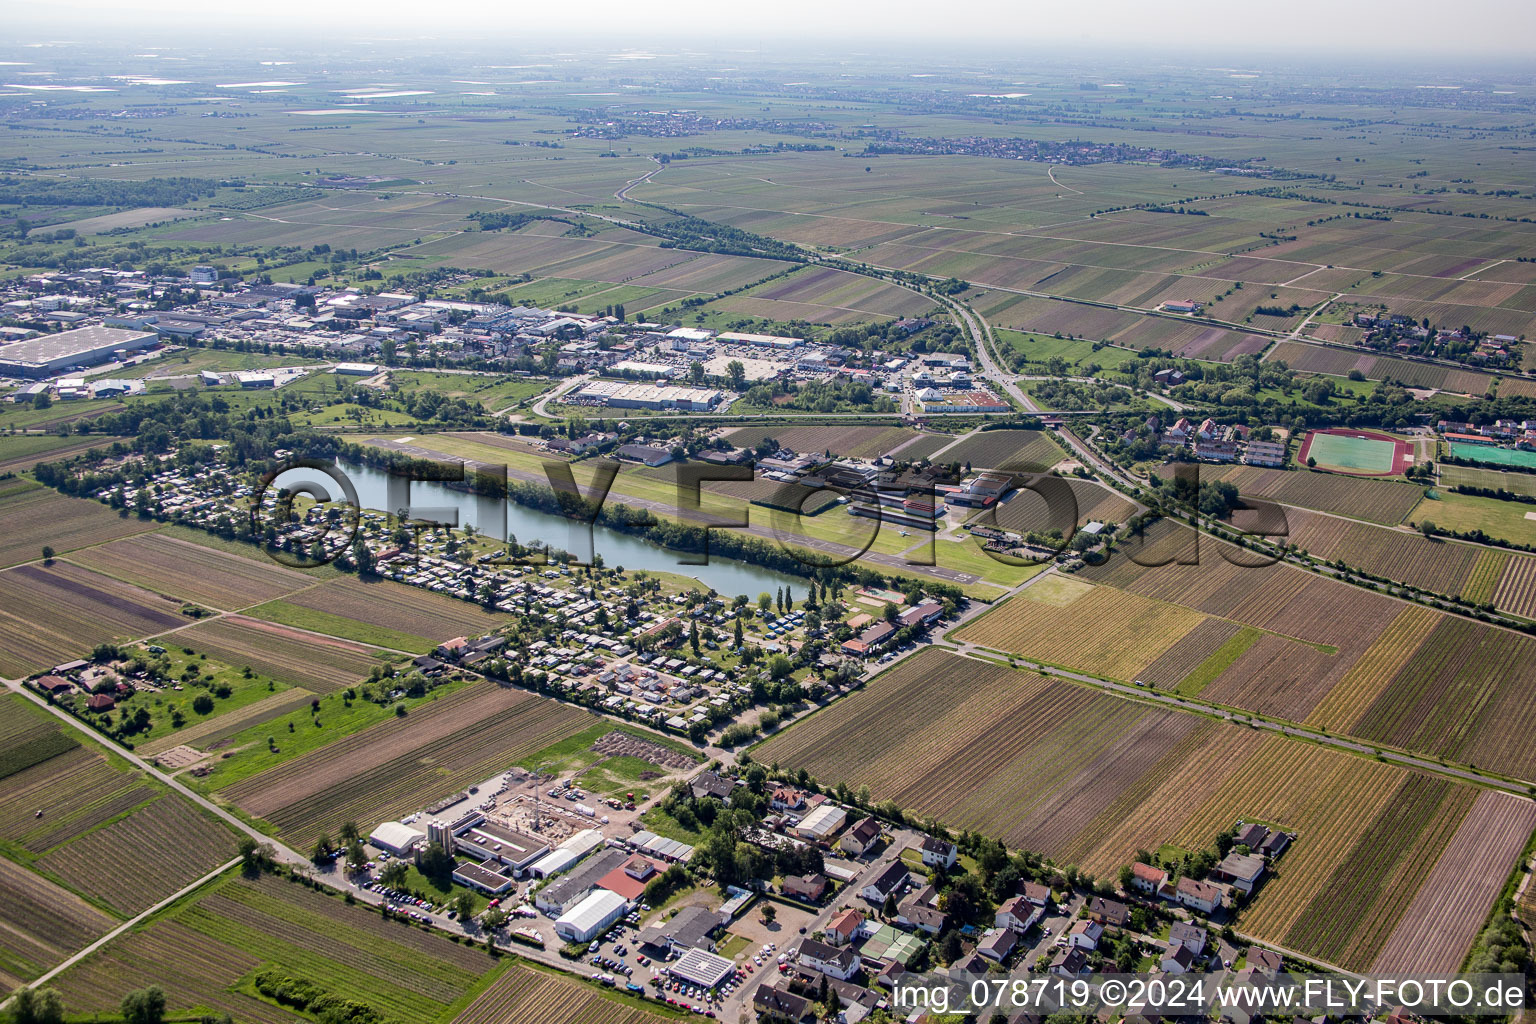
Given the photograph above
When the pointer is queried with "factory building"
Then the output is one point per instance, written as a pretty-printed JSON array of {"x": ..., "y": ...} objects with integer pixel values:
[
  {"x": 623, "y": 395},
  {"x": 85, "y": 346},
  {"x": 591, "y": 917}
]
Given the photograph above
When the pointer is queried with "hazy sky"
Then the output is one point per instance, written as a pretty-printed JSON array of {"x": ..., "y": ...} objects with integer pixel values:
[{"x": 1372, "y": 29}]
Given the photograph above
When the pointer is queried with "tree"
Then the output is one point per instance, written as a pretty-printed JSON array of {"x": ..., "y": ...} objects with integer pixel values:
[
  {"x": 350, "y": 831},
  {"x": 769, "y": 913},
  {"x": 202, "y": 704},
  {"x": 48, "y": 554},
  {"x": 888, "y": 908},
  {"x": 322, "y": 849},
  {"x": 464, "y": 905},
  {"x": 254, "y": 857},
  {"x": 357, "y": 857},
  {"x": 394, "y": 873},
  {"x": 736, "y": 373},
  {"x": 37, "y": 1006},
  {"x": 144, "y": 1006},
  {"x": 696, "y": 372}
]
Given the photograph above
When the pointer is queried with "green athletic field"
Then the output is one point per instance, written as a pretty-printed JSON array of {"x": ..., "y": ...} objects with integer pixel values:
[{"x": 1352, "y": 454}]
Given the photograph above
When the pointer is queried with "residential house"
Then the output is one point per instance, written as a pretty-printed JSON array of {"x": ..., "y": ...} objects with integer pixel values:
[
  {"x": 1147, "y": 878},
  {"x": 939, "y": 853},
  {"x": 1070, "y": 963},
  {"x": 997, "y": 944},
  {"x": 1191, "y": 936},
  {"x": 1110, "y": 913},
  {"x": 858, "y": 839},
  {"x": 785, "y": 798},
  {"x": 777, "y": 1004},
  {"x": 1036, "y": 893},
  {"x": 810, "y": 888},
  {"x": 1086, "y": 935},
  {"x": 1176, "y": 959},
  {"x": 1266, "y": 960},
  {"x": 888, "y": 883},
  {"x": 1251, "y": 835},
  {"x": 1275, "y": 845},
  {"x": 841, "y": 963},
  {"x": 844, "y": 927},
  {"x": 1196, "y": 895},
  {"x": 1017, "y": 913},
  {"x": 920, "y": 911},
  {"x": 712, "y": 785}
]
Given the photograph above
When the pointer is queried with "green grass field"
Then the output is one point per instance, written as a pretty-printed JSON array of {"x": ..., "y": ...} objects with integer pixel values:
[
  {"x": 1513, "y": 521},
  {"x": 1351, "y": 454}
]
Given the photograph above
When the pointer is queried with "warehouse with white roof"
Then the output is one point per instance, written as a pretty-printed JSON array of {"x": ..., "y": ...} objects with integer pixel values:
[
  {"x": 85, "y": 346},
  {"x": 591, "y": 916}
]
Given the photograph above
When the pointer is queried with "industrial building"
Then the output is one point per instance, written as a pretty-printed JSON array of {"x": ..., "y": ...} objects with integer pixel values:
[
  {"x": 478, "y": 876},
  {"x": 702, "y": 968},
  {"x": 395, "y": 838},
  {"x": 624, "y": 395},
  {"x": 85, "y": 346},
  {"x": 591, "y": 917},
  {"x": 474, "y": 836}
]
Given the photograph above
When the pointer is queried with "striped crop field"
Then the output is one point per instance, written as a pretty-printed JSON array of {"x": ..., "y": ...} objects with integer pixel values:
[
  {"x": 1516, "y": 591},
  {"x": 1189, "y": 653},
  {"x": 1444, "y": 567},
  {"x": 1381, "y": 501},
  {"x": 1486, "y": 573},
  {"x": 1106, "y": 632},
  {"x": 1087, "y": 778},
  {"x": 1374, "y": 670},
  {"x": 525, "y": 995},
  {"x": 203, "y": 952}
]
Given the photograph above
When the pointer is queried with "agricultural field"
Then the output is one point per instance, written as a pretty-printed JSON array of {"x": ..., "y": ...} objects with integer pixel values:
[
  {"x": 191, "y": 572},
  {"x": 202, "y": 952},
  {"x": 1024, "y": 510},
  {"x": 152, "y": 867},
  {"x": 1513, "y": 521},
  {"x": 822, "y": 295},
  {"x": 1393, "y": 674},
  {"x": 41, "y": 924},
  {"x": 20, "y": 452},
  {"x": 1379, "y": 501},
  {"x": 381, "y": 613},
  {"x": 283, "y": 653},
  {"x": 528, "y": 995},
  {"x": 493, "y": 392},
  {"x": 1492, "y": 479},
  {"x": 1099, "y": 630},
  {"x": 52, "y": 614},
  {"x": 1444, "y": 567},
  {"x": 845, "y": 441},
  {"x": 1087, "y": 779},
  {"x": 35, "y": 516},
  {"x": 1338, "y": 362},
  {"x": 403, "y": 763},
  {"x": 1018, "y": 450}
]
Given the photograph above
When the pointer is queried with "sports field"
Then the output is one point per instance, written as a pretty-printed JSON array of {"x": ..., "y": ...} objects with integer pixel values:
[
  {"x": 1488, "y": 453},
  {"x": 1354, "y": 451}
]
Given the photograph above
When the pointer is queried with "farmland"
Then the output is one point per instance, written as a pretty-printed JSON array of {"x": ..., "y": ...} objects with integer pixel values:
[
  {"x": 191, "y": 572},
  {"x": 202, "y": 951},
  {"x": 1466, "y": 513},
  {"x": 21, "y": 452},
  {"x": 1095, "y": 629},
  {"x": 404, "y": 762},
  {"x": 28, "y": 902},
  {"x": 825, "y": 296},
  {"x": 283, "y": 653},
  {"x": 853, "y": 442},
  {"x": 1018, "y": 450},
  {"x": 1338, "y": 362},
  {"x": 1087, "y": 779},
  {"x": 1376, "y": 500},
  {"x": 1427, "y": 682},
  {"x": 381, "y": 613},
  {"x": 56, "y": 613},
  {"x": 152, "y": 868},
  {"x": 526, "y": 995},
  {"x": 35, "y": 515},
  {"x": 1440, "y": 566}
]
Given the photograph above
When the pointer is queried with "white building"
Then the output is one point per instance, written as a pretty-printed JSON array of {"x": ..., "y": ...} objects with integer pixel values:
[
  {"x": 591, "y": 916},
  {"x": 395, "y": 838}
]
